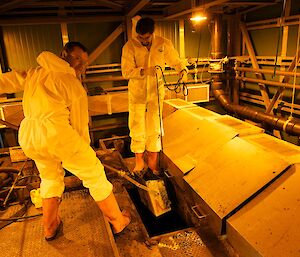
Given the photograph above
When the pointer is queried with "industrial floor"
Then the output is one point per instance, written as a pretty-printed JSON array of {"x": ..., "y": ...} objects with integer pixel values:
[{"x": 86, "y": 233}]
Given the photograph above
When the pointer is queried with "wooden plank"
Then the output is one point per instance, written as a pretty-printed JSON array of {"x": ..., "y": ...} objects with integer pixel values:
[
  {"x": 239, "y": 4},
  {"x": 128, "y": 27},
  {"x": 12, "y": 4},
  {"x": 54, "y": 11},
  {"x": 255, "y": 8},
  {"x": 272, "y": 23},
  {"x": 110, "y": 4},
  {"x": 255, "y": 65},
  {"x": 64, "y": 33},
  {"x": 278, "y": 95},
  {"x": 57, "y": 20},
  {"x": 99, "y": 50},
  {"x": 137, "y": 7},
  {"x": 181, "y": 39},
  {"x": 198, "y": 8},
  {"x": 285, "y": 80},
  {"x": 268, "y": 82},
  {"x": 285, "y": 34}
]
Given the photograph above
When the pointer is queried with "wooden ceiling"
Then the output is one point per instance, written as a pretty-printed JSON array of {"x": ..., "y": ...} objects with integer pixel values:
[{"x": 48, "y": 11}]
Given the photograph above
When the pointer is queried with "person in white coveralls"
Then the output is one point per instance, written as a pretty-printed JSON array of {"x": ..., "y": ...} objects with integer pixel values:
[
  {"x": 144, "y": 58},
  {"x": 54, "y": 133}
]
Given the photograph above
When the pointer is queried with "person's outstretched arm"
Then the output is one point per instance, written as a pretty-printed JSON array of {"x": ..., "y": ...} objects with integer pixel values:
[{"x": 12, "y": 82}]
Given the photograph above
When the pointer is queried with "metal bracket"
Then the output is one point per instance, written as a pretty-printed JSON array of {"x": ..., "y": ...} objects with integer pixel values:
[
  {"x": 167, "y": 174},
  {"x": 196, "y": 212}
]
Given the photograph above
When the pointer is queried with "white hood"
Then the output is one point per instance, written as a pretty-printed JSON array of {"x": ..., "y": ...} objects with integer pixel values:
[
  {"x": 134, "y": 21},
  {"x": 52, "y": 62}
]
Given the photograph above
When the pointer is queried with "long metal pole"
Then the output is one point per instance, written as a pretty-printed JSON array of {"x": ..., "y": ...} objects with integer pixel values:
[
  {"x": 123, "y": 174},
  {"x": 267, "y": 71},
  {"x": 268, "y": 82}
]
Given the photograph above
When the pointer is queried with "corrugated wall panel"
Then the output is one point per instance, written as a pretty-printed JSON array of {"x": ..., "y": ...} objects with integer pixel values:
[
  {"x": 91, "y": 35},
  {"x": 194, "y": 48},
  {"x": 24, "y": 43},
  {"x": 169, "y": 30}
]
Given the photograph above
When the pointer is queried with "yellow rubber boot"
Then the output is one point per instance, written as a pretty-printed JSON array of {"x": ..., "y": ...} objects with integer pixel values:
[
  {"x": 110, "y": 209},
  {"x": 51, "y": 220}
]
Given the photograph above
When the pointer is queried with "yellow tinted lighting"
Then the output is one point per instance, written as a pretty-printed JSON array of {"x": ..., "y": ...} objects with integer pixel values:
[{"x": 198, "y": 18}]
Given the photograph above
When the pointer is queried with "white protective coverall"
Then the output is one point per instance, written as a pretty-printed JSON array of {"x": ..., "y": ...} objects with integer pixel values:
[
  {"x": 144, "y": 118},
  {"x": 55, "y": 132}
]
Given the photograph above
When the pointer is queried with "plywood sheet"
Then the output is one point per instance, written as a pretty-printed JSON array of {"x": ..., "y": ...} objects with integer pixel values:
[
  {"x": 187, "y": 136},
  {"x": 241, "y": 127},
  {"x": 232, "y": 173},
  {"x": 109, "y": 103},
  {"x": 173, "y": 105},
  {"x": 269, "y": 225},
  {"x": 280, "y": 148},
  {"x": 12, "y": 113},
  {"x": 202, "y": 113}
]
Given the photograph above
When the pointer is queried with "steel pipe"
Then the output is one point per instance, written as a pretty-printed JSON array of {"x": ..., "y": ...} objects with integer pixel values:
[
  {"x": 268, "y": 82},
  {"x": 276, "y": 122},
  {"x": 267, "y": 71}
]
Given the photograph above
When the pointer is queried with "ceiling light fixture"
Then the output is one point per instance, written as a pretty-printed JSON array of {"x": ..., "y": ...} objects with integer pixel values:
[{"x": 198, "y": 18}]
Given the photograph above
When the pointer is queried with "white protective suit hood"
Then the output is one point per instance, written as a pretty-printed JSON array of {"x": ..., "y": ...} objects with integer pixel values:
[
  {"x": 52, "y": 62},
  {"x": 134, "y": 21}
]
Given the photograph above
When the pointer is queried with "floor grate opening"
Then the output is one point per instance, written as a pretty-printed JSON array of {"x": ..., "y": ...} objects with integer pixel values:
[{"x": 166, "y": 223}]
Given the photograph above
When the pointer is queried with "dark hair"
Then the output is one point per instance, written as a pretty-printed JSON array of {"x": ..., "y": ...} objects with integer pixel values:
[
  {"x": 145, "y": 25},
  {"x": 70, "y": 46}
]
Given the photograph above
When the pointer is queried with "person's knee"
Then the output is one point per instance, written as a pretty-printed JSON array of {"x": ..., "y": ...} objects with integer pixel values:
[
  {"x": 101, "y": 191},
  {"x": 52, "y": 188}
]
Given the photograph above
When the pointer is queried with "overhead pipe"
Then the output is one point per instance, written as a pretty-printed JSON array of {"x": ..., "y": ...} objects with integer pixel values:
[
  {"x": 267, "y": 71},
  {"x": 278, "y": 123},
  {"x": 267, "y": 82}
]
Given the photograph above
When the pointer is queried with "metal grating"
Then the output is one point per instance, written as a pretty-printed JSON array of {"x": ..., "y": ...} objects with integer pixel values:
[
  {"x": 184, "y": 243},
  {"x": 84, "y": 232}
]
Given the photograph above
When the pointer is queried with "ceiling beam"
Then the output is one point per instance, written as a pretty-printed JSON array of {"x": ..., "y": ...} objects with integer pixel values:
[
  {"x": 99, "y": 50},
  {"x": 251, "y": 51},
  {"x": 250, "y": 3},
  {"x": 12, "y": 4},
  {"x": 58, "y": 20},
  {"x": 38, "y": 13},
  {"x": 50, "y": 3},
  {"x": 110, "y": 4},
  {"x": 255, "y": 8},
  {"x": 140, "y": 5},
  {"x": 195, "y": 9}
]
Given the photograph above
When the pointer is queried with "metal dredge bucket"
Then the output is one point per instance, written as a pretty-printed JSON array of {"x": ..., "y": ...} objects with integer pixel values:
[{"x": 158, "y": 203}]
